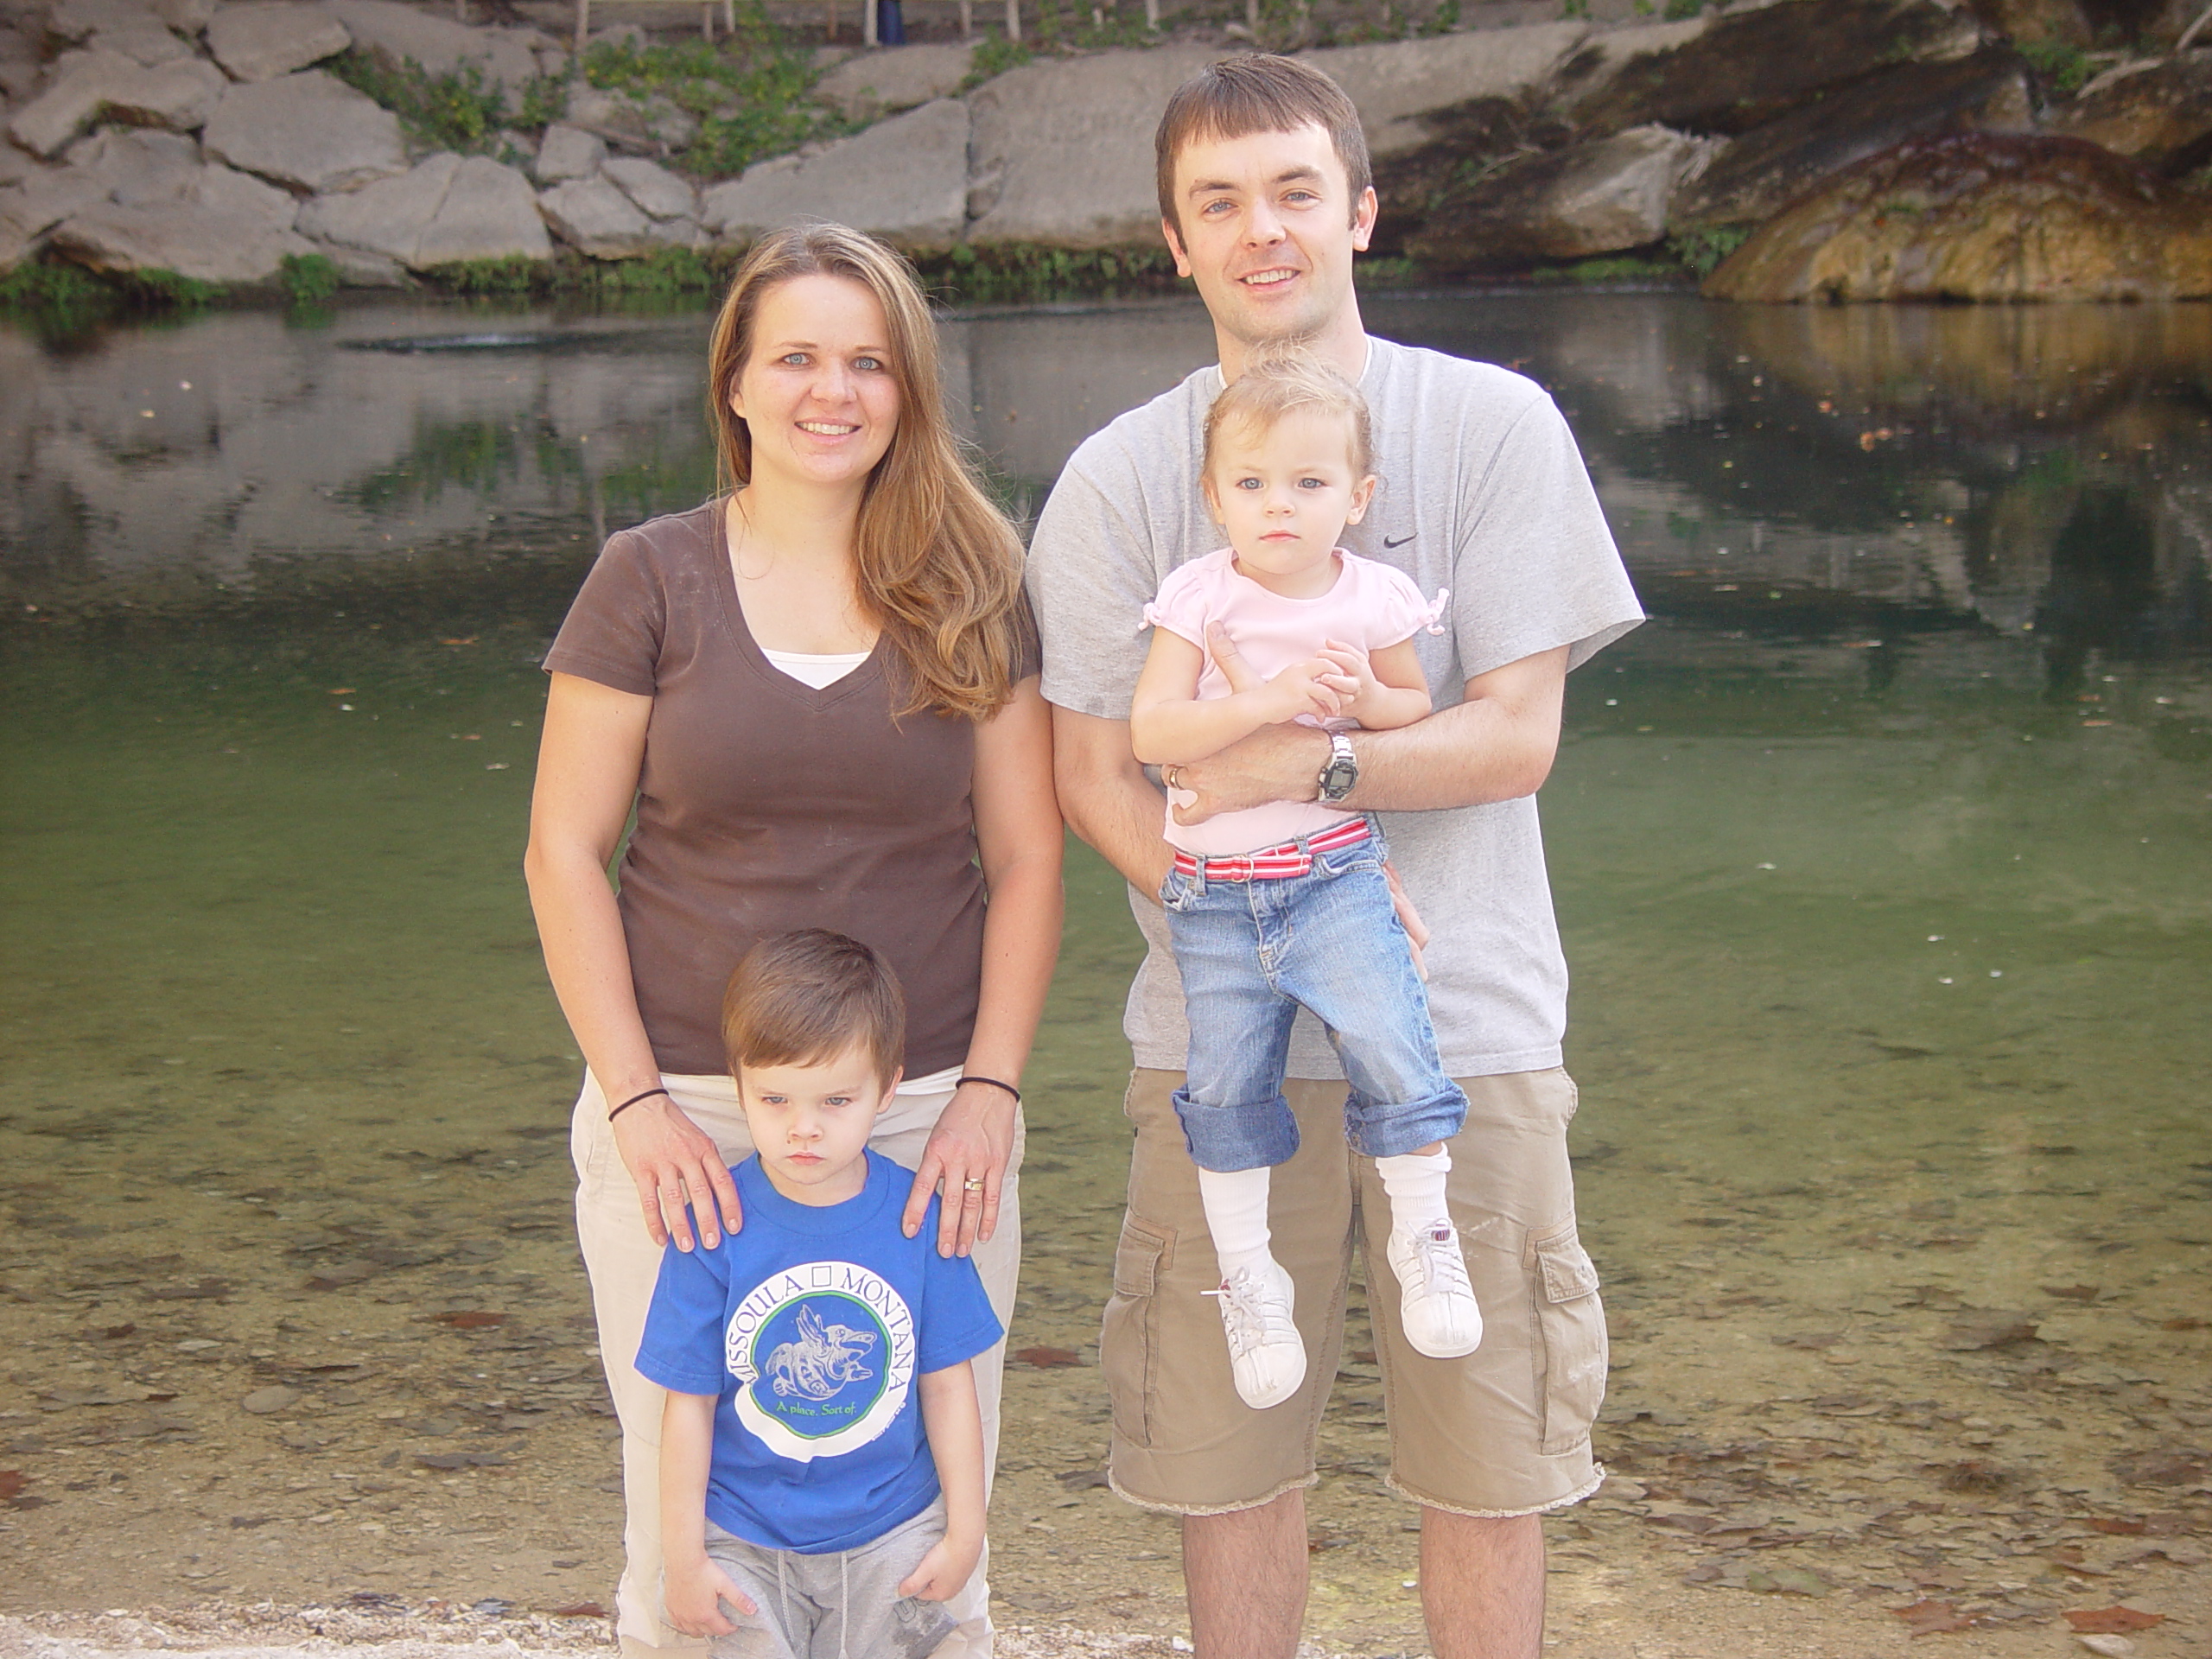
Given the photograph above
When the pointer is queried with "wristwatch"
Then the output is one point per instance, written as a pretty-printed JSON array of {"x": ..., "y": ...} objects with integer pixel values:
[{"x": 1341, "y": 775}]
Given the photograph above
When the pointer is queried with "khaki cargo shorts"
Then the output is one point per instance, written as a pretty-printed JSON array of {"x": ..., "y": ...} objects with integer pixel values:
[{"x": 1504, "y": 1431}]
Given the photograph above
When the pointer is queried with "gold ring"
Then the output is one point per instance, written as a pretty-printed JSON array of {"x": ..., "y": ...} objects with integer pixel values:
[
  {"x": 1172, "y": 776},
  {"x": 971, "y": 1185}
]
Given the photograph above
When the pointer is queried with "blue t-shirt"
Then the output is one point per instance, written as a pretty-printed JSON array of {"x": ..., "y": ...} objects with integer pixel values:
[{"x": 810, "y": 1323}]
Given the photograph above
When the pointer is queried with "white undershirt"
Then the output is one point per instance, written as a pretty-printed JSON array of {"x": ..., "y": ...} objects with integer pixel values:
[{"x": 816, "y": 668}]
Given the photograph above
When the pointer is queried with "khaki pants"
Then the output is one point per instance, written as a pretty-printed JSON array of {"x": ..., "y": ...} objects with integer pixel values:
[
  {"x": 623, "y": 1263},
  {"x": 1504, "y": 1431}
]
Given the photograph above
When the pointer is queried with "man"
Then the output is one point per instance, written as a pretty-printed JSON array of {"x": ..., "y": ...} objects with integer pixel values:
[{"x": 1265, "y": 196}]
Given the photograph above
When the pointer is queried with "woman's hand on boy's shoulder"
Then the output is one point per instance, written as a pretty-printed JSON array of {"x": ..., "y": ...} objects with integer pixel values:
[
  {"x": 945, "y": 1570},
  {"x": 695, "y": 1591}
]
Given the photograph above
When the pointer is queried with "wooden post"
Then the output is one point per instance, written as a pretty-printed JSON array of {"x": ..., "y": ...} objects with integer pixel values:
[
  {"x": 1013, "y": 20},
  {"x": 1252, "y": 18},
  {"x": 868, "y": 24},
  {"x": 1152, "y": 14},
  {"x": 967, "y": 20},
  {"x": 583, "y": 24},
  {"x": 833, "y": 22}
]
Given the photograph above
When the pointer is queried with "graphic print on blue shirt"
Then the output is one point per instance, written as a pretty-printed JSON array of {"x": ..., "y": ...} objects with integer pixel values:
[
  {"x": 823, "y": 1356},
  {"x": 812, "y": 1325}
]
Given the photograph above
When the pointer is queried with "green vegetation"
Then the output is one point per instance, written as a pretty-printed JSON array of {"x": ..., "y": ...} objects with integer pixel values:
[
  {"x": 749, "y": 95},
  {"x": 461, "y": 110},
  {"x": 1005, "y": 275},
  {"x": 1699, "y": 251},
  {"x": 1573, "y": 10},
  {"x": 308, "y": 278},
  {"x": 1677, "y": 10},
  {"x": 2065, "y": 68},
  {"x": 666, "y": 273},
  {"x": 993, "y": 55}
]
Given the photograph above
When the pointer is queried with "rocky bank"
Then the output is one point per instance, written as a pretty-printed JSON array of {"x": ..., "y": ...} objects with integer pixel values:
[{"x": 212, "y": 142}]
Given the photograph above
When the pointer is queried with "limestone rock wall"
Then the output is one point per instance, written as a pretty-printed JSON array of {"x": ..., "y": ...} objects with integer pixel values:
[{"x": 1495, "y": 150}]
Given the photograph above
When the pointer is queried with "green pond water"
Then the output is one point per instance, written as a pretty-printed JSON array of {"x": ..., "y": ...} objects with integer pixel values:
[{"x": 1882, "y": 855}]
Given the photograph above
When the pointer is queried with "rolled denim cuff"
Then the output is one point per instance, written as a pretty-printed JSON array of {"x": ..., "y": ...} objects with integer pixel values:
[
  {"x": 1225, "y": 1138},
  {"x": 1393, "y": 1131}
]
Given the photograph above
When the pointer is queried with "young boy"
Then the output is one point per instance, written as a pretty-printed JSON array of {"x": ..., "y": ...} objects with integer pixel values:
[{"x": 822, "y": 1454}]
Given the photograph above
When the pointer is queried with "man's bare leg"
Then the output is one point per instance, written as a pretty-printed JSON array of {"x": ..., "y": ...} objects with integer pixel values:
[
  {"x": 1481, "y": 1585},
  {"x": 1244, "y": 1574}
]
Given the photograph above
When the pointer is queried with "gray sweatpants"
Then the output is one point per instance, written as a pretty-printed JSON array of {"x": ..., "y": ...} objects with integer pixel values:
[{"x": 845, "y": 1606}]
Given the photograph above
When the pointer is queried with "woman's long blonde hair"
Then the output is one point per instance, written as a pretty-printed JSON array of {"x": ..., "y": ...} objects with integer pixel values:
[{"x": 938, "y": 566}]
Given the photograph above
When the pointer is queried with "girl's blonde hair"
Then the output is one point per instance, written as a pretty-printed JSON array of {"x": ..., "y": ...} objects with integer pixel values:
[
  {"x": 938, "y": 566},
  {"x": 1284, "y": 380}
]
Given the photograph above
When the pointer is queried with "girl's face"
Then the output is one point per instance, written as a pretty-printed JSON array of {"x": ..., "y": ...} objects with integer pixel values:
[
  {"x": 817, "y": 392},
  {"x": 1285, "y": 494}
]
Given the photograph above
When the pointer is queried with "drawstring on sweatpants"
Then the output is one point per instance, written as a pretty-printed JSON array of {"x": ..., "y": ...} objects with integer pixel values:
[{"x": 844, "y": 1599}]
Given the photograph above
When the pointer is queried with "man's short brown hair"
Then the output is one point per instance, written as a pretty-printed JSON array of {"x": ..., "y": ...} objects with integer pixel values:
[
  {"x": 800, "y": 999},
  {"x": 1258, "y": 92}
]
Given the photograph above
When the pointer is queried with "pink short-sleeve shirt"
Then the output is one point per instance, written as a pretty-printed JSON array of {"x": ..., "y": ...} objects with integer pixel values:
[{"x": 1371, "y": 606}]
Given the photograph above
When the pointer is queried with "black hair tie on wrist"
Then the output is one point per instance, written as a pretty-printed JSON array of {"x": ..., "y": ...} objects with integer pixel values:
[
  {"x": 994, "y": 1083},
  {"x": 615, "y": 1112}
]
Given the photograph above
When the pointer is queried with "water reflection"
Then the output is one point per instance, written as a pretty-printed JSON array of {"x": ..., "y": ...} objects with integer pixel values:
[{"x": 1882, "y": 856}]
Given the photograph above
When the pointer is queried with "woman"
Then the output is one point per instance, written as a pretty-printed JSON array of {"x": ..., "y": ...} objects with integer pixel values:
[{"x": 819, "y": 692}]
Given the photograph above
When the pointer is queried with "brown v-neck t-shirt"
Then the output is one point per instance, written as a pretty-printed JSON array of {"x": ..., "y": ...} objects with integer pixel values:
[{"x": 765, "y": 804}]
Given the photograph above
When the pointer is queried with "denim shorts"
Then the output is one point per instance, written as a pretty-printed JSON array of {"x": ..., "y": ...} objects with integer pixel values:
[{"x": 1250, "y": 953}]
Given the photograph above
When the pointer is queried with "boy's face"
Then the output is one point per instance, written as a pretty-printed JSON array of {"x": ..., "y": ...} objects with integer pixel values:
[
  {"x": 810, "y": 1123},
  {"x": 1284, "y": 493},
  {"x": 1268, "y": 232}
]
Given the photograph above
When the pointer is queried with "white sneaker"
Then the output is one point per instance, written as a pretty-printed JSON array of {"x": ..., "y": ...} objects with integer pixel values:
[
  {"x": 1439, "y": 1314},
  {"x": 1266, "y": 1355}
]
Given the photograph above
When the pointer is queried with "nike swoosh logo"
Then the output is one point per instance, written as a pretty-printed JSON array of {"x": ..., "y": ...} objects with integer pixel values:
[{"x": 1400, "y": 542}]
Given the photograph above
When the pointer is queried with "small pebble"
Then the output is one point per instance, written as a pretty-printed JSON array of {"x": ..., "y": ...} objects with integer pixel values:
[
  {"x": 2112, "y": 1647},
  {"x": 261, "y": 1401}
]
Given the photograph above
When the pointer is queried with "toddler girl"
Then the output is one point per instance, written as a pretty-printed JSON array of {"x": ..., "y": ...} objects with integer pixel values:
[{"x": 1288, "y": 903}]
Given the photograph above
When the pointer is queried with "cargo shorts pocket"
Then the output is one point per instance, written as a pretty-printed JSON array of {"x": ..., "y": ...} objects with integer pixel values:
[
  {"x": 1128, "y": 1342},
  {"x": 1570, "y": 1326}
]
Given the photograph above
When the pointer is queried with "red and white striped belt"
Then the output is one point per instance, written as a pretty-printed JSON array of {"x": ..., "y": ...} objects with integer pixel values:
[{"x": 1275, "y": 863}]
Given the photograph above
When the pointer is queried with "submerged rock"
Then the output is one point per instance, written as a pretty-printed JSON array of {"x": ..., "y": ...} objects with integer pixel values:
[
  {"x": 1764, "y": 170},
  {"x": 1979, "y": 216},
  {"x": 1596, "y": 198}
]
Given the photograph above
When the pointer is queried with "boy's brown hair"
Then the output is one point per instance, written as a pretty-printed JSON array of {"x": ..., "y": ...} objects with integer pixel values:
[
  {"x": 1281, "y": 380},
  {"x": 1258, "y": 92},
  {"x": 798, "y": 999}
]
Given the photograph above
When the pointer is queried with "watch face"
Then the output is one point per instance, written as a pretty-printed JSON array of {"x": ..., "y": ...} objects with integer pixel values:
[{"x": 1338, "y": 778}]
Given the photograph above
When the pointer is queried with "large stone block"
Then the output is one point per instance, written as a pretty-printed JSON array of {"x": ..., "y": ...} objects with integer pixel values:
[
  {"x": 445, "y": 210},
  {"x": 567, "y": 153},
  {"x": 185, "y": 16},
  {"x": 181, "y": 95},
  {"x": 400, "y": 34},
  {"x": 269, "y": 38},
  {"x": 48, "y": 197},
  {"x": 1746, "y": 68},
  {"x": 1409, "y": 91},
  {"x": 870, "y": 84},
  {"x": 658, "y": 193},
  {"x": 77, "y": 20},
  {"x": 1062, "y": 151},
  {"x": 309, "y": 131},
  {"x": 905, "y": 180},
  {"x": 593, "y": 217},
  {"x": 206, "y": 244},
  {"x": 1601, "y": 197},
  {"x": 1981, "y": 216},
  {"x": 1764, "y": 170},
  {"x": 145, "y": 40},
  {"x": 137, "y": 168},
  {"x": 2160, "y": 113}
]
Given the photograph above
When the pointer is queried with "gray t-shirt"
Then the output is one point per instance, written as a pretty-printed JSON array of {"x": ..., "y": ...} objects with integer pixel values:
[{"x": 1483, "y": 491}]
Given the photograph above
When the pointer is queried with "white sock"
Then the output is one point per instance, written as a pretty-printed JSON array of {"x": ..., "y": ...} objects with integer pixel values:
[
  {"x": 1415, "y": 1183},
  {"x": 1236, "y": 1215}
]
